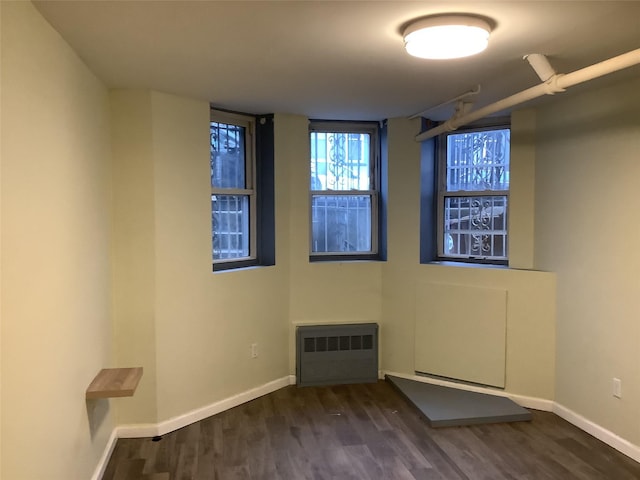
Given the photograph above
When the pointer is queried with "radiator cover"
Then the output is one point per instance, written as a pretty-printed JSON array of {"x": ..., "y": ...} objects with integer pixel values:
[{"x": 337, "y": 354}]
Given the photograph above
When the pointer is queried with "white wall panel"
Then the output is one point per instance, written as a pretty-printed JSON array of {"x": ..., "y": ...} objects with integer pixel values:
[{"x": 461, "y": 332}]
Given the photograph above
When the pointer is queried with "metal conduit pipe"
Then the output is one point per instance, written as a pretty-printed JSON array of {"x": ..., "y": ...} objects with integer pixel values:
[{"x": 557, "y": 83}]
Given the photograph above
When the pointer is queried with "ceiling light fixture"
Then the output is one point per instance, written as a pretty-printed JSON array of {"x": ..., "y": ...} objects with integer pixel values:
[{"x": 446, "y": 36}]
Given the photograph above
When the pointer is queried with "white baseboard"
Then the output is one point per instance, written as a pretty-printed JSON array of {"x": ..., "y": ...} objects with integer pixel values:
[
  {"x": 607, "y": 436},
  {"x": 522, "y": 400},
  {"x": 138, "y": 430},
  {"x": 162, "y": 428},
  {"x": 106, "y": 455}
]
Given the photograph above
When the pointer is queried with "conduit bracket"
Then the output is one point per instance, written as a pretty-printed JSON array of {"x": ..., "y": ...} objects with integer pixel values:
[
  {"x": 450, "y": 125},
  {"x": 546, "y": 73},
  {"x": 462, "y": 109},
  {"x": 551, "y": 85},
  {"x": 540, "y": 64}
]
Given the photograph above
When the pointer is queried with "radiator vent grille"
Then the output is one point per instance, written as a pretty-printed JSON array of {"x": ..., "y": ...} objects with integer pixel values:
[
  {"x": 334, "y": 354},
  {"x": 341, "y": 343}
]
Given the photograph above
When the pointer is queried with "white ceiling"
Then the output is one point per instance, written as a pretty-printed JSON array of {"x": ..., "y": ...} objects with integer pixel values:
[{"x": 331, "y": 59}]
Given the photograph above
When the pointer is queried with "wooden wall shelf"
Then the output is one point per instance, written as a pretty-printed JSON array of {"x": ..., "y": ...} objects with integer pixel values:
[{"x": 114, "y": 382}]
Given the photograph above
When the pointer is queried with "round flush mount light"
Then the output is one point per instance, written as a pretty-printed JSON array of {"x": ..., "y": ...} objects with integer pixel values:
[{"x": 446, "y": 36}]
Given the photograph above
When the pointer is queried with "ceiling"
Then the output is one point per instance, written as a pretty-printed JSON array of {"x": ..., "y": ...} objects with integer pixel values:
[{"x": 332, "y": 59}]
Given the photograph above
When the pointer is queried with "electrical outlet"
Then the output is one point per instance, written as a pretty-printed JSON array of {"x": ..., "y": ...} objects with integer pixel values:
[
  {"x": 254, "y": 350},
  {"x": 617, "y": 388}
]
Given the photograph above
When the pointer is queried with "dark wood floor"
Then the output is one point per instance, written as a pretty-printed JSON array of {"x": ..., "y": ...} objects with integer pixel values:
[{"x": 363, "y": 432}]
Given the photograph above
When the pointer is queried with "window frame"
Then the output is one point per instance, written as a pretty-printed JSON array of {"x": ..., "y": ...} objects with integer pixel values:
[
  {"x": 373, "y": 129},
  {"x": 501, "y": 123},
  {"x": 249, "y": 124}
]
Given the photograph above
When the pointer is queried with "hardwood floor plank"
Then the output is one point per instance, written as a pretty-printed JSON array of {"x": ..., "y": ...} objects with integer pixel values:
[
  {"x": 413, "y": 439},
  {"x": 156, "y": 476},
  {"x": 363, "y": 462},
  {"x": 129, "y": 469},
  {"x": 363, "y": 432},
  {"x": 470, "y": 456}
]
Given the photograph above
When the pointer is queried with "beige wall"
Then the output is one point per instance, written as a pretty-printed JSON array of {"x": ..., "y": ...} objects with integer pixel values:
[
  {"x": 206, "y": 322},
  {"x": 56, "y": 326},
  {"x": 403, "y": 236},
  {"x": 587, "y": 230},
  {"x": 134, "y": 249},
  {"x": 522, "y": 189},
  {"x": 530, "y": 330},
  {"x": 321, "y": 292},
  {"x": 0, "y": 248},
  {"x": 191, "y": 329}
]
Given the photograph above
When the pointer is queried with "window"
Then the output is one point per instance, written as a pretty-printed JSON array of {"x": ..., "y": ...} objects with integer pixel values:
[
  {"x": 473, "y": 195},
  {"x": 235, "y": 194},
  {"x": 344, "y": 190}
]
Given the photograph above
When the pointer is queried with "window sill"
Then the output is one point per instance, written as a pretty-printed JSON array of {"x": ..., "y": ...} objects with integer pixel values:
[
  {"x": 482, "y": 266},
  {"x": 446, "y": 263},
  {"x": 240, "y": 268},
  {"x": 344, "y": 259}
]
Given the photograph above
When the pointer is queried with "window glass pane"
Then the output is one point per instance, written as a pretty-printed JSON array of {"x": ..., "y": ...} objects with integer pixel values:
[
  {"x": 341, "y": 223},
  {"x": 340, "y": 161},
  {"x": 475, "y": 227},
  {"x": 478, "y": 160},
  {"x": 230, "y": 226},
  {"x": 227, "y": 155}
]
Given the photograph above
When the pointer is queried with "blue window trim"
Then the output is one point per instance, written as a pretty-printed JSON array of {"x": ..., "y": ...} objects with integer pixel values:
[
  {"x": 265, "y": 184},
  {"x": 382, "y": 185},
  {"x": 384, "y": 192},
  {"x": 429, "y": 175},
  {"x": 428, "y": 196},
  {"x": 265, "y": 196}
]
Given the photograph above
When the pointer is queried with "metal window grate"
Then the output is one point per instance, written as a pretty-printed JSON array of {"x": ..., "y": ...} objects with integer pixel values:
[
  {"x": 233, "y": 195},
  {"x": 478, "y": 161},
  {"x": 476, "y": 227},
  {"x": 474, "y": 194},
  {"x": 343, "y": 189},
  {"x": 341, "y": 223}
]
